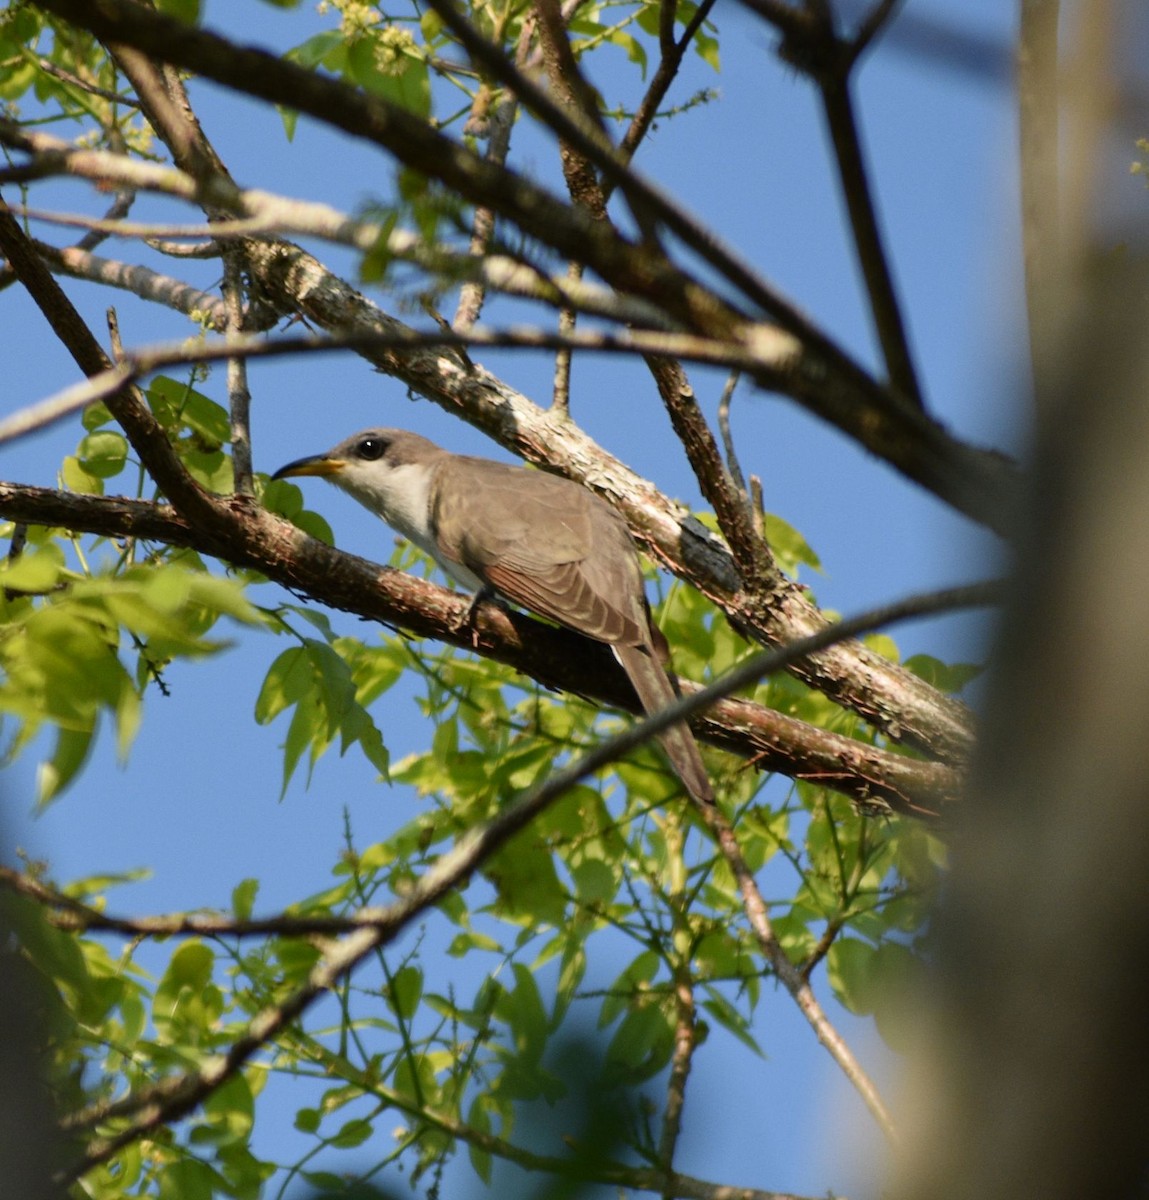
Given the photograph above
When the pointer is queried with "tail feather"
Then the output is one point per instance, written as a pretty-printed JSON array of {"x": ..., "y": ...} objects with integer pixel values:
[{"x": 655, "y": 692}]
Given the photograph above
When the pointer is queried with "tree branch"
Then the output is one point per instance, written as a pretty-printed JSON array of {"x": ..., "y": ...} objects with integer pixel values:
[
  {"x": 852, "y": 675},
  {"x": 890, "y": 426},
  {"x": 869, "y": 244},
  {"x": 554, "y": 657}
]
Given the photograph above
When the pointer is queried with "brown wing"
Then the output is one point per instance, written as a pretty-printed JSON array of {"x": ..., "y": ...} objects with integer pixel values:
[{"x": 545, "y": 543}]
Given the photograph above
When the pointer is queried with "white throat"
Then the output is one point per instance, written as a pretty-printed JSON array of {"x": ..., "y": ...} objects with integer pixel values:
[{"x": 401, "y": 495}]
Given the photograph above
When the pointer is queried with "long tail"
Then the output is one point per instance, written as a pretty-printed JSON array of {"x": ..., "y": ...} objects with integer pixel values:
[{"x": 655, "y": 691}]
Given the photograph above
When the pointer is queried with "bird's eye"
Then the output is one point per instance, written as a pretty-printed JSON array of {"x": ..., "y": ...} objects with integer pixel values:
[{"x": 371, "y": 448}]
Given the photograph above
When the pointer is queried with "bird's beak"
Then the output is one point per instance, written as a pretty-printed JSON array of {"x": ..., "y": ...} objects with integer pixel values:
[{"x": 315, "y": 464}]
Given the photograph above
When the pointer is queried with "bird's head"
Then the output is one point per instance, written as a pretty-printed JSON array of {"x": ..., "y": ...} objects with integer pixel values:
[{"x": 386, "y": 470}]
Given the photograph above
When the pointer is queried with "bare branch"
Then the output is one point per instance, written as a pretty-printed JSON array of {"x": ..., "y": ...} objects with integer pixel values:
[
  {"x": 873, "y": 24},
  {"x": 144, "y": 361},
  {"x": 145, "y": 434},
  {"x": 239, "y": 397},
  {"x": 68, "y": 77},
  {"x": 141, "y": 281},
  {"x": 868, "y": 241},
  {"x": 976, "y": 482}
]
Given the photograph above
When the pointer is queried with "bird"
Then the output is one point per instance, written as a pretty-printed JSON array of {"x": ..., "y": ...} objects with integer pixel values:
[{"x": 538, "y": 540}]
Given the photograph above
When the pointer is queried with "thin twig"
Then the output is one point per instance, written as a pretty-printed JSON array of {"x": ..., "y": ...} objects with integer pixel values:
[
  {"x": 144, "y": 361},
  {"x": 668, "y": 65},
  {"x": 50, "y": 68},
  {"x": 140, "y": 281},
  {"x": 732, "y": 464},
  {"x": 791, "y": 976},
  {"x": 873, "y": 24},
  {"x": 501, "y": 124},
  {"x": 238, "y": 393},
  {"x": 119, "y": 208},
  {"x": 869, "y": 243},
  {"x": 685, "y": 1012}
]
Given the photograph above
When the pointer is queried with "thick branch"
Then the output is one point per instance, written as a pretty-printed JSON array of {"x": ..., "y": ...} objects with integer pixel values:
[
  {"x": 851, "y": 674},
  {"x": 554, "y": 657}
]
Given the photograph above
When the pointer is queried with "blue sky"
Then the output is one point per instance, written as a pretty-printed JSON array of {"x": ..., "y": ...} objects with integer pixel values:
[{"x": 199, "y": 799}]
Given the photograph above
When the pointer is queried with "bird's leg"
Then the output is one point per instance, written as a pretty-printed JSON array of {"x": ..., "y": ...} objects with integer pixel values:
[{"x": 470, "y": 618}]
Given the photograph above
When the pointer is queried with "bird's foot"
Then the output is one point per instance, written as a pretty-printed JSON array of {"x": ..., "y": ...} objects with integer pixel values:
[{"x": 469, "y": 619}]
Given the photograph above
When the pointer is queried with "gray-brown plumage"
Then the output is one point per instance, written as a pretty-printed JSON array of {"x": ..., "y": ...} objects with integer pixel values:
[{"x": 544, "y": 542}]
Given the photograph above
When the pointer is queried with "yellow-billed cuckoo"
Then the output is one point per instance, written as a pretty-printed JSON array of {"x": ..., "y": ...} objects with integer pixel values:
[{"x": 541, "y": 541}]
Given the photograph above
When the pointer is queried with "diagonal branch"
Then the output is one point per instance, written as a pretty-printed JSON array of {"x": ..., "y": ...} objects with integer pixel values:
[
  {"x": 869, "y": 244},
  {"x": 554, "y": 657},
  {"x": 851, "y": 674},
  {"x": 291, "y": 281},
  {"x": 126, "y": 404}
]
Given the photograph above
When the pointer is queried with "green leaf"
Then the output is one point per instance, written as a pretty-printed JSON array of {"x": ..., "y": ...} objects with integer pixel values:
[
  {"x": 326, "y": 1181},
  {"x": 16, "y": 80},
  {"x": 230, "y": 1112},
  {"x": 526, "y": 881},
  {"x": 641, "y": 1045},
  {"x": 307, "y": 1120},
  {"x": 354, "y": 1133},
  {"x": 385, "y": 63},
  {"x": 178, "y": 406},
  {"x": 243, "y": 898},
  {"x": 946, "y": 676},
  {"x": 287, "y": 681},
  {"x": 478, "y": 1117},
  {"x": 406, "y": 989},
  {"x": 290, "y": 119},
  {"x": 883, "y": 644},
  {"x": 185, "y": 10},
  {"x": 706, "y": 48},
  {"x": 732, "y": 1020},
  {"x": 103, "y": 453},
  {"x": 72, "y": 749},
  {"x": 620, "y": 994},
  {"x": 37, "y": 570},
  {"x": 187, "y": 1003},
  {"x": 324, "y": 48},
  {"x": 187, "y": 1179},
  {"x": 95, "y": 416},
  {"x": 850, "y": 970},
  {"x": 522, "y": 1009},
  {"x": 790, "y": 548},
  {"x": 76, "y": 479}
]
